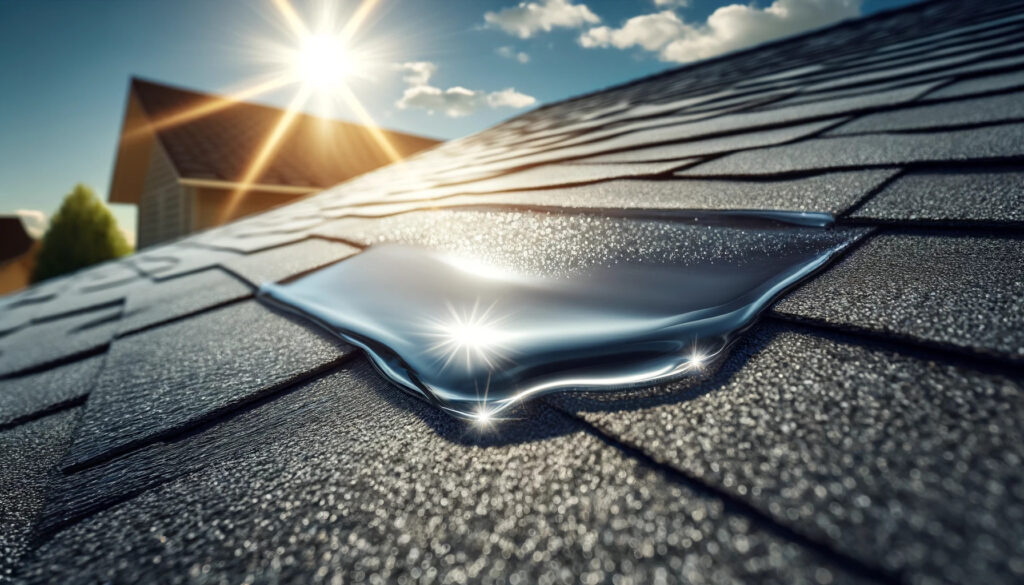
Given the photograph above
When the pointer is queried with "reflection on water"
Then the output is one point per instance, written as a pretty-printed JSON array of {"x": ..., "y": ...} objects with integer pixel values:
[{"x": 475, "y": 339}]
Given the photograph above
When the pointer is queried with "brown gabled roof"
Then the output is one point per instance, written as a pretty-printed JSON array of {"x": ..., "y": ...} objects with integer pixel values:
[{"x": 315, "y": 152}]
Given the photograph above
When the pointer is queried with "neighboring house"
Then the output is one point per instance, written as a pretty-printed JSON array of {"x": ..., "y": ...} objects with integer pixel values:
[
  {"x": 182, "y": 176},
  {"x": 18, "y": 249},
  {"x": 160, "y": 423}
]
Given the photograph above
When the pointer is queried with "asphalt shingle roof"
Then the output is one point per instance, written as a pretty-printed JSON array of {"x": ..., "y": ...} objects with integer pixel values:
[{"x": 158, "y": 424}]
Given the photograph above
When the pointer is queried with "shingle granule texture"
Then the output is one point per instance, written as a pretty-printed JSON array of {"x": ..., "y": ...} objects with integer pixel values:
[{"x": 949, "y": 290}]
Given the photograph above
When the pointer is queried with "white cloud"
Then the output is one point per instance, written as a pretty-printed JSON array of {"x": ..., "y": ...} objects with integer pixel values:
[
  {"x": 649, "y": 31},
  {"x": 458, "y": 101},
  {"x": 35, "y": 222},
  {"x": 417, "y": 72},
  {"x": 509, "y": 98},
  {"x": 663, "y": 3},
  {"x": 727, "y": 29},
  {"x": 510, "y": 53},
  {"x": 455, "y": 101},
  {"x": 528, "y": 18}
]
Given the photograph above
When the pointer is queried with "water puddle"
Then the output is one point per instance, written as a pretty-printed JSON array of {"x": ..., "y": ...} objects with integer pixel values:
[{"x": 476, "y": 338}]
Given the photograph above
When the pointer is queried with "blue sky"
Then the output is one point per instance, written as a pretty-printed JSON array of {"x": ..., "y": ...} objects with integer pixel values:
[{"x": 66, "y": 64}]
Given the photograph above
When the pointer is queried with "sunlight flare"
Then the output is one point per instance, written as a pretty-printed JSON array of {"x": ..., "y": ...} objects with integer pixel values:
[
  {"x": 292, "y": 18},
  {"x": 368, "y": 122},
  {"x": 320, "y": 60},
  {"x": 358, "y": 17},
  {"x": 474, "y": 334},
  {"x": 209, "y": 107},
  {"x": 266, "y": 151}
]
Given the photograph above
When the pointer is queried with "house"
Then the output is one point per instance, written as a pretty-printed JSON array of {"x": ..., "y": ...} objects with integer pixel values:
[
  {"x": 182, "y": 170},
  {"x": 18, "y": 249},
  {"x": 161, "y": 423}
]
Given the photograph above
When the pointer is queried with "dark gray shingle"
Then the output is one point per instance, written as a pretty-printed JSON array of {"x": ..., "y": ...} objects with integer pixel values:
[
  {"x": 978, "y": 194},
  {"x": 556, "y": 244},
  {"x": 287, "y": 261},
  {"x": 162, "y": 302},
  {"x": 49, "y": 342},
  {"x": 949, "y": 290},
  {"x": 829, "y": 192},
  {"x": 708, "y": 146},
  {"x": 975, "y": 85},
  {"x": 981, "y": 110},
  {"x": 989, "y": 142},
  {"x": 22, "y": 397},
  {"x": 166, "y": 378},
  {"x": 30, "y": 454}
]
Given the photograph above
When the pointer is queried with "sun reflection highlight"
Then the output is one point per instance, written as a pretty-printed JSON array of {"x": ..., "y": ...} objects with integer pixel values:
[
  {"x": 482, "y": 417},
  {"x": 696, "y": 360},
  {"x": 486, "y": 416},
  {"x": 479, "y": 269},
  {"x": 475, "y": 335}
]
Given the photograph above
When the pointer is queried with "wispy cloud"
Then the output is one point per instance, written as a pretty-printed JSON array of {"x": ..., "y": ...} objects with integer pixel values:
[
  {"x": 729, "y": 28},
  {"x": 509, "y": 98},
  {"x": 528, "y": 18},
  {"x": 510, "y": 53},
  {"x": 416, "y": 72},
  {"x": 454, "y": 101}
]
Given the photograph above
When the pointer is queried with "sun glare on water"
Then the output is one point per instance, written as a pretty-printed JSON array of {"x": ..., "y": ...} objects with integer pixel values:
[{"x": 474, "y": 334}]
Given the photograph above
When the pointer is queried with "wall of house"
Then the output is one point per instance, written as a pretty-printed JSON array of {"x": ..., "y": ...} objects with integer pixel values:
[
  {"x": 170, "y": 210},
  {"x": 16, "y": 273},
  {"x": 164, "y": 205},
  {"x": 209, "y": 205}
]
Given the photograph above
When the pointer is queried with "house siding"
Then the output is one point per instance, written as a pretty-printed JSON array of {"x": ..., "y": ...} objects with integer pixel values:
[{"x": 164, "y": 209}]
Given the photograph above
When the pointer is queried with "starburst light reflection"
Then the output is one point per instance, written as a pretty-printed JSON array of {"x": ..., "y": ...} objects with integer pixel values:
[{"x": 475, "y": 336}]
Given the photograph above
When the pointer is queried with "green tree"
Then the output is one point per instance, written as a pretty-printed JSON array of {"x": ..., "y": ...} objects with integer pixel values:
[{"x": 82, "y": 233}]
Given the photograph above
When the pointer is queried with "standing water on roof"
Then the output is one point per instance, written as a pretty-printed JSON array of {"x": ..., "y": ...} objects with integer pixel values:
[{"x": 476, "y": 338}]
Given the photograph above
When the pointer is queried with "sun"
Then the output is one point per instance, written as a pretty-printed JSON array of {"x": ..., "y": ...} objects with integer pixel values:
[{"x": 323, "y": 62}]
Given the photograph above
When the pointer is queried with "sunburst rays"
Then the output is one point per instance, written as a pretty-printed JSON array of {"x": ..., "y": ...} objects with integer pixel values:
[
  {"x": 303, "y": 70},
  {"x": 473, "y": 335},
  {"x": 267, "y": 150}
]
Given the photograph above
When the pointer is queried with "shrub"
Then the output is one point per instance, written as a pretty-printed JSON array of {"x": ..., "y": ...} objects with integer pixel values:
[{"x": 82, "y": 233}]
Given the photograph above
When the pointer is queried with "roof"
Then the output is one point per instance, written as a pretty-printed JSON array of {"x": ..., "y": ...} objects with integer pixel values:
[
  {"x": 14, "y": 238},
  {"x": 218, "y": 146},
  {"x": 159, "y": 424}
]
